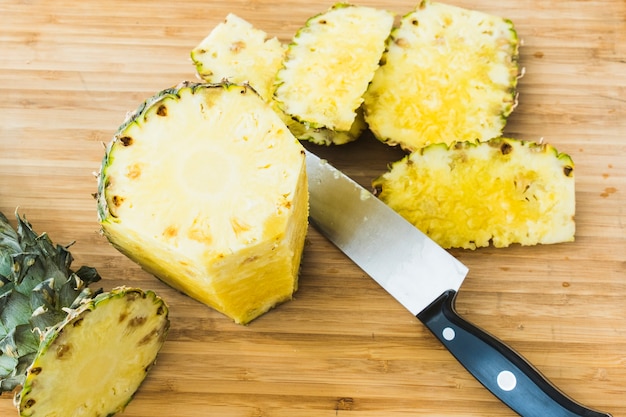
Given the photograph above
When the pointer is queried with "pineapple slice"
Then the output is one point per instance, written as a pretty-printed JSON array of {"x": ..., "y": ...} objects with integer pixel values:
[
  {"x": 330, "y": 63},
  {"x": 471, "y": 194},
  {"x": 205, "y": 187},
  {"x": 448, "y": 74},
  {"x": 238, "y": 52},
  {"x": 92, "y": 362},
  {"x": 60, "y": 342},
  {"x": 37, "y": 285}
]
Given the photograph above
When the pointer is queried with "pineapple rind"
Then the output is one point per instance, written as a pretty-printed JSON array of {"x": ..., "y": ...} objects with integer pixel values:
[
  {"x": 448, "y": 74},
  {"x": 212, "y": 199},
  {"x": 473, "y": 194},
  {"x": 238, "y": 52},
  {"x": 92, "y": 363},
  {"x": 330, "y": 63}
]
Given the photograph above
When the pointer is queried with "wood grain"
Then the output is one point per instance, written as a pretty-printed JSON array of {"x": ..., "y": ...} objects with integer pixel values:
[{"x": 70, "y": 70}]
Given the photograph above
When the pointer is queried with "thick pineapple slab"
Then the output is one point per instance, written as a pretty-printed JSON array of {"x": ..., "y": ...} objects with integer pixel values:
[
  {"x": 205, "y": 187},
  {"x": 449, "y": 74},
  {"x": 330, "y": 63},
  {"x": 238, "y": 52},
  {"x": 93, "y": 362},
  {"x": 474, "y": 194}
]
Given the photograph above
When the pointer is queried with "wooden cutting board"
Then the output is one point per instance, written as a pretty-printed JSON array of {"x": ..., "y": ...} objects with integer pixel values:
[{"x": 70, "y": 70}]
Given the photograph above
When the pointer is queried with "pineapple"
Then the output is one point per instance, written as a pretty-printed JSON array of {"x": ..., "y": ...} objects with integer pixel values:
[
  {"x": 448, "y": 75},
  {"x": 93, "y": 362},
  {"x": 60, "y": 342},
  {"x": 206, "y": 188},
  {"x": 238, "y": 52},
  {"x": 329, "y": 65},
  {"x": 471, "y": 194},
  {"x": 37, "y": 284}
]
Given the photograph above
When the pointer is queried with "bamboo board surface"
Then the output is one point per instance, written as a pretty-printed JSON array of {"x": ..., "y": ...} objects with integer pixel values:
[{"x": 70, "y": 70}]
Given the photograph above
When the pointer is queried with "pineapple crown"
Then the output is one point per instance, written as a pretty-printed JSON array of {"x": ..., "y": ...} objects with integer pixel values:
[{"x": 37, "y": 290}]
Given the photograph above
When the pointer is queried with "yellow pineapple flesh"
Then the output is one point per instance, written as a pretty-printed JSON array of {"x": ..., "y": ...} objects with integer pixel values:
[
  {"x": 330, "y": 63},
  {"x": 448, "y": 74},
  {"x": 473, "y": 194},
  {"x": 237, "y": 51},
  {"x": 205, "y": 187},
  {"x": 93, "y": 362}
]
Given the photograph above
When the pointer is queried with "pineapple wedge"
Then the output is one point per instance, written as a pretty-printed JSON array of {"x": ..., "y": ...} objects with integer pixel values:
[
  {"x": 448, "y": 74},
  {"x": 238, "y": 52},
  {"x": 330, "y": 63},
  {"x": 471, "y": 194},
  {"x": 206, "y": 188},
  {"x": 91, "y": 363}
]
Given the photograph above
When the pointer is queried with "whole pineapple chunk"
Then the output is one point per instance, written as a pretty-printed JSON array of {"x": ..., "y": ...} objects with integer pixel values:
[
  {"x": 205, "y": 187},
  {"x": 448, "y": 74},
  {"x": 330, "y": 63},
  {"x": 471, "y": 194},
  {"x": 92, "y": 362},
  {"x": 238, "y": 52}
]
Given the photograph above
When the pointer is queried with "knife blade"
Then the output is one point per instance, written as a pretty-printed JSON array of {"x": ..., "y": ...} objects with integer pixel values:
[{"x": 425, "y": 279}]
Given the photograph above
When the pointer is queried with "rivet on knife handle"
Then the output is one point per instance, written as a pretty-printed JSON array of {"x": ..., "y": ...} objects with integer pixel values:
[{"x": 498, "y": 367}]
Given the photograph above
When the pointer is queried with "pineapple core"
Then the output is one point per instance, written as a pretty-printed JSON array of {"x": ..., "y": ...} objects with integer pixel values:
[{"x": 205, "y": 187}]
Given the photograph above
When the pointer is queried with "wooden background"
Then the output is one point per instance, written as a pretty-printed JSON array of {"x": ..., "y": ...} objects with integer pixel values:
[{"x": 69, "y": 71}]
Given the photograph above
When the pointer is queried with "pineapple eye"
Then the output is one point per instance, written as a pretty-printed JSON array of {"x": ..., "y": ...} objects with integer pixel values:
[
  {"x": 162, "y": 110},
  {"x": 237, "y": 46},
  {"x": 126, "y": 140},
  {"x": 117, "y": 200},
  {"x": 567, "y": 170},
  {"x": 506, "y": 149},
  {"x": 36, "y": 370},
  {"x": 62, "y": 350}
]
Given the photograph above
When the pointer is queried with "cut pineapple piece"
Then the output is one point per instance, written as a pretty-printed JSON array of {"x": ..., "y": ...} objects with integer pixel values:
[
  {"x": 205, "y": 187},
  {"x": 471, "y": 194},
  {"x": 238, "y": 52},
  {"x": 449, "y": 74},
  {"x": 330, "y": 63},
  {"x": 37, "y": 287},
  {"x": 93, "y": 362}
]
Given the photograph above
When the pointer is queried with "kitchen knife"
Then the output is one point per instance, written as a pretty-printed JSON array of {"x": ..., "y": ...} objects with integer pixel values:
[{"x": 425, "y": 279}]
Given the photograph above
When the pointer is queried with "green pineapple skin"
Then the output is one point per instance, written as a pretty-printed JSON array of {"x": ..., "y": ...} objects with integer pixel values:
[
  {"x": 37, "y": 284},
  {"x": 54, "y": 346},
  {"x": 476, "y": 194}
]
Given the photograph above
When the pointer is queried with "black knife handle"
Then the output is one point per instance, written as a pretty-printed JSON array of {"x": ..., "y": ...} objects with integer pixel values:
[{"x": 498, "y": 367}]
